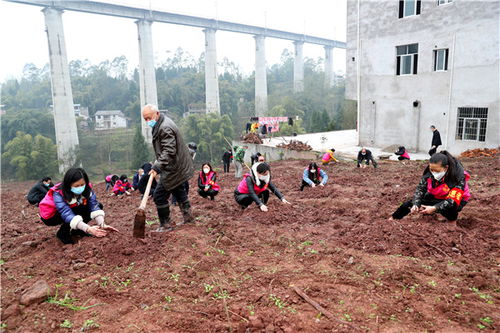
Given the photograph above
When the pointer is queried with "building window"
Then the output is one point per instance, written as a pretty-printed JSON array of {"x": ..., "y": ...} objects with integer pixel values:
[
  {"x": 406, "y": 59},
  {"x": 441, "y": 60},
  {"x": 444, "y": 2},
  {"x": 471, "y": 124},
  {"x": 409, "y": 8}
]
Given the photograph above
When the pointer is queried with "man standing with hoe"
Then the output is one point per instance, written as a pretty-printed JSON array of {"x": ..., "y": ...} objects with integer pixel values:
[{"x": 173, "y": 163}]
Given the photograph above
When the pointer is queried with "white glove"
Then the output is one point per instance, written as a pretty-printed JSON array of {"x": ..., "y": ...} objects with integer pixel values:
[
  {"x": 100, "y": 221},
  {"x": 77, "y": 223}
]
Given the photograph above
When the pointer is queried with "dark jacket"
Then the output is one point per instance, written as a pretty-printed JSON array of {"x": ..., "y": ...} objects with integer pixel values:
[
  {"x": 227, "y": 157},
  {"x": 436, "y": 139},
  {"x": 143, "y": 182},
  {"x": 421, "y": 192},
  {"x": 173, "y": 161},
  {"x": 368, "y": 156},
  {"x": 37, "y": 193}
]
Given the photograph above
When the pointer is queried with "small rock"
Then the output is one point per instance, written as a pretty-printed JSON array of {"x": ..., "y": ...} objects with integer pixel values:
[
  {"x": 127, "y": 252},
  {"x": 30, "y": 244},
  {"x": 455, "y": 249},
  {"x": 37, "y": 293},
  {"x": 79, "y": 265},
  {"x": 270, "y": 328},
  {"x": 10, "y": 311},
  {"x": 351, "y": 260}
]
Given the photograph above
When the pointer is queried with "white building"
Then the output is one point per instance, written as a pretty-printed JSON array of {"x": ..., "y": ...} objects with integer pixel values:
[
  {"x": 412, "y": 64},
  {"x": 106, "y": 120}
]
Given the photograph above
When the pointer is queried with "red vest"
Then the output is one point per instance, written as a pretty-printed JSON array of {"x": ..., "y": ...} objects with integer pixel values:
[
  {"x": 208, "y": 180},
  {"x": 243, "y": 188},
  {"x": 443, "y": 192}
]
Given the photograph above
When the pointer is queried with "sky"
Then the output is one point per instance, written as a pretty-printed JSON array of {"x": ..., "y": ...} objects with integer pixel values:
[{"x": 98, "y": 38}]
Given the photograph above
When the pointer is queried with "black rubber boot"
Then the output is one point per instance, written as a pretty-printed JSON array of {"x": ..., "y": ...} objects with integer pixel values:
[
  {"x": 164, "y": 216},
  {"x": 64, "y": 234},
  {"x": 186, "y": 212}
]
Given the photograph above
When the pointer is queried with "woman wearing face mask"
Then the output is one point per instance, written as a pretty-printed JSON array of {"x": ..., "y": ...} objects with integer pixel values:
[
  {"x": 313, "y": 176},
  {"x": 443, "y": 189},
  {"x": 206, "y": 182},
  {"x": 122, "y": 186},
  {"x": 72, "y": 204},
  {"x": 255, "y": 187}
]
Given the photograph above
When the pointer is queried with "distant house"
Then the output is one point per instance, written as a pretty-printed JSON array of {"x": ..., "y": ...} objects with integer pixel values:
[
  {"x": 106, "y": 120},
  {"x": 195, "y": 109}
]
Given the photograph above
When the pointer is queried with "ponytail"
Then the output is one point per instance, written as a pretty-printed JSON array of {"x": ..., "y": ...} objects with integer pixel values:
[{"x": 444, "y": 158}]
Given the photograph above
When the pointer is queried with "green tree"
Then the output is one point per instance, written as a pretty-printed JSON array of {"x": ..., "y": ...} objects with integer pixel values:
[
  {"x": 141, "y": 151},
  {"x": 210, "y": 133},
  {"x": 31, "y": 157}
]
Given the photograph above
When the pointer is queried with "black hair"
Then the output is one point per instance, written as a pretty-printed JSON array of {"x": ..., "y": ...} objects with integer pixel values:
[
  {"x": 71, "y": 176},
  {"x": 263, "y": 167},
  {"x": 447, "y": 160},
  {"x": 432, "y": 126},
  {"x": 44, "y": 179},
  {"x": 123, "y": 177},
  {"x": 313, "y": 165},
  {"x": 209, "y": 165},
  {"x": 114, "y": 178},
  {"x": 332, "y": 149}
]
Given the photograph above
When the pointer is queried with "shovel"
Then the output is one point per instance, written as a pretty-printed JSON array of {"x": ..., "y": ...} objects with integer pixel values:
[{"x": 140, "y": 216}]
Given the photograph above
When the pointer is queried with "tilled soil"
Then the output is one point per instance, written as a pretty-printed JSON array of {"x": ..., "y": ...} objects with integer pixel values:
[{"x": 232, "y": 270}]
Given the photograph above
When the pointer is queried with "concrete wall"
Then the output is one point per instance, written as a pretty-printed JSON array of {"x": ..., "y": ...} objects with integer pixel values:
[
  {"x": 276, "y": 154},
  {"x": 469, "y": 29}
]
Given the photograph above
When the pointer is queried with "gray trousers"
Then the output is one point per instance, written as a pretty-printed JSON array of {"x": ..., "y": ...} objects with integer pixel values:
[{"x": 238, "y": 166}]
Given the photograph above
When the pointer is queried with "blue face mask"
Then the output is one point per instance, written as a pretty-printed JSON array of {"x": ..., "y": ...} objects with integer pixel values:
[
  {"x": 151, "y": 123},
  {"x": 46, "y": 184},
  {"x": 78, "y": 190}
]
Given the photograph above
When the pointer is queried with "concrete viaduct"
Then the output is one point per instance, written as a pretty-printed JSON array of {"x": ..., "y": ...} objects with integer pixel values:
[{"x": 65, "y": 122}]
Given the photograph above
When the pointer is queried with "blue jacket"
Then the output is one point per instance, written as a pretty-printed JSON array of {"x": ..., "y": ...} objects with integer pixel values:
[
  {"x": 135, "y": 181},
  {"x": 65, "y": 209},
  {"x": 322, "y": 175}
]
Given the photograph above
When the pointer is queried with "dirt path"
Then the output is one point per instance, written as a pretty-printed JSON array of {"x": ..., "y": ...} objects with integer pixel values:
[{"x": 232, "y": 270}]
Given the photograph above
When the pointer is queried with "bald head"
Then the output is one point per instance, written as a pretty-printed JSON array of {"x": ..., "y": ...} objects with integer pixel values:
[{"x": 150, "y": 112}]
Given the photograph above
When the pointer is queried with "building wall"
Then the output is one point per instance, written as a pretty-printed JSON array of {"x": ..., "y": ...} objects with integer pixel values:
[
  {"x": 469, "y": 29},
  {"x": 110, "y": 122}
]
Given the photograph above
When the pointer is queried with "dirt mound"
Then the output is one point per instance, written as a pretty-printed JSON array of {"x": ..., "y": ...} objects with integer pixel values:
[
  {"x": 232, "y": 270},
  {"x": 295, "y": 145},
  {"x": 252, "y": 138},
  {"x": 480, "y": 153}
]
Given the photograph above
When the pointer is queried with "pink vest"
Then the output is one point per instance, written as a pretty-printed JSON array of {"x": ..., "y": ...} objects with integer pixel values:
[
  {"x": 406, "y": 155},
  {"x": 327, "y": 157},
  {"x": 243, "y": 188},
  {"x": 208, "y": 180},
  {"x": 444, "y": 192},
  {"x": 47, "y": 206},
  {"x": 108, "y": 178}
]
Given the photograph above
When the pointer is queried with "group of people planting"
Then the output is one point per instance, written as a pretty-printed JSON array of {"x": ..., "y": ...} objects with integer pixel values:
[{"x": 72, "y": 204}]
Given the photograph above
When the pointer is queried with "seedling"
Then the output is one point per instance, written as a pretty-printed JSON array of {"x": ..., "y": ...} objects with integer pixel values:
[
  {"x": 168, "y": 299},
  {"x": 458, "y": 295},
  {"x": 130, "y": 267},
  {"x": 347, "y": 317},
  {"x": 432, "y": 283},
  {"x": 485, "y": 322},
  {"x": 67, "y": 302},
  {"x": 151, "y": 222},
  {"x": 66, "y": 324},
  {"x": 89, "y": 324},
  {"x": 208, "y": 287},
  {"x": 174, "y": 277},
  {"x": 487, "y": 298},
  {"x": 223, "y": 294}
]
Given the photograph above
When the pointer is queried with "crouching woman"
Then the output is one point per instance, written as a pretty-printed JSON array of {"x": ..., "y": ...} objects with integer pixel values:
[
  {"x": 255, "y": 187},
  {"x": 443, "y": 189},
  {"x": 72, "y": 204}
]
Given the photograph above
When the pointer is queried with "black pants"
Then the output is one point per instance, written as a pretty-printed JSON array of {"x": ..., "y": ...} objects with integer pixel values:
[
  {"x": 210, "y": 193},
  {"x": 401, "y": 158},
  {"x": 161, "y": 195},
  {"x": 432, "y": 151},
  {"x": 64, "y": 233},
  {"x": 450, "y": 214},
  {"x": 367, "y": 161},
  {"x": 304, "y": 184},
  {"x": 226, "y": 166},
  {"x": 246, "y": 200}
]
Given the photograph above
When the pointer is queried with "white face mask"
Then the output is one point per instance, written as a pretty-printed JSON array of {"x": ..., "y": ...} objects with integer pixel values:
[
  {"x": 438, "y": 175},
  {"x": 313, "y": 171},
  {"x": 265, "y": 179},
  {"x": 206, "y": 170}
]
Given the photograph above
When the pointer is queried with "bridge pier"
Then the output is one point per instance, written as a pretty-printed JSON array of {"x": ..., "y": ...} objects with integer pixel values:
[
  {"x": 298, "y": 67},
  {"x": 260, "y": 76},
  {"x": 62, "y": 95},
  {"x": 329, "y": 73},
  {"x": 147, "y": 75},
  {"x": 211, "y": 78}
]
